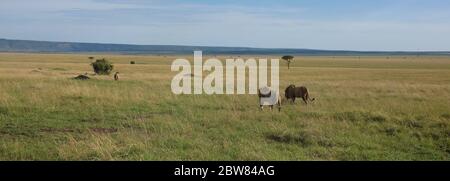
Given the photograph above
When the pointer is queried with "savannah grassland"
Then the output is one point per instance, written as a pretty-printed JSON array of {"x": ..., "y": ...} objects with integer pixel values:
[{"x": 368, "y": 108}]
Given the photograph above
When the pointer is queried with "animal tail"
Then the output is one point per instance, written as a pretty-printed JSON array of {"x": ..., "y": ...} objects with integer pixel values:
[{"x": 309, "y": 98}]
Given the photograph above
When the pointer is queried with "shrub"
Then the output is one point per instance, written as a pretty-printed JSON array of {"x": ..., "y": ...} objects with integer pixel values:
[
  {"x": 132, "y": 62},
  {"x": 102, "y": 67}
]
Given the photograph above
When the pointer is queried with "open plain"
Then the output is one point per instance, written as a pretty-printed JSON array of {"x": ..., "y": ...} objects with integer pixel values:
[{"x": 367, "y": 108}]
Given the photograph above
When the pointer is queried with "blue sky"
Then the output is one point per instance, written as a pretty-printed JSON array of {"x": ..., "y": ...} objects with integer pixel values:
[{"x": 316, "y": 24}]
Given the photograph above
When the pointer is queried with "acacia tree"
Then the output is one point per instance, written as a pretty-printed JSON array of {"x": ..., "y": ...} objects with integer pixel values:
[{"x": 288, "y": 59}]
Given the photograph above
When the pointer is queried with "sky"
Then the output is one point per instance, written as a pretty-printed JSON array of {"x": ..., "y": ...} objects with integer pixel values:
[{"x": 377, "y": 25}]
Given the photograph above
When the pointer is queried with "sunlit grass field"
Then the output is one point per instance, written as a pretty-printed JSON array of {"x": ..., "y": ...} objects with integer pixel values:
[{"x": 367, "y": 108}]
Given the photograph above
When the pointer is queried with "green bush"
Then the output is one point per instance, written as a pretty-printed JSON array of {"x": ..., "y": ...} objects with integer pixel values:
[
  {"x": 132, "y": 62},
  {"x": 102, "y": 67}
]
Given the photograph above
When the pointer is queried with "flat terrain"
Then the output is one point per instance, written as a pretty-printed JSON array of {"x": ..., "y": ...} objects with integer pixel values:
[{"x": 367, "y": 108}]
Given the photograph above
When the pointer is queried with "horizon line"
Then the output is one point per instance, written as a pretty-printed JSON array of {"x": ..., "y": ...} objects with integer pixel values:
[{"x": 249, "y": 47}]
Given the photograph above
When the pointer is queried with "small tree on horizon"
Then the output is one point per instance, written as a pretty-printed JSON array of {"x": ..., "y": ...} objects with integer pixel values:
[{"x": 288, "y": 59}]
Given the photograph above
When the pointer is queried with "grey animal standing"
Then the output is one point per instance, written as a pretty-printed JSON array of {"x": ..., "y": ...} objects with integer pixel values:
[
  {"x": 293, "y": 92},
  {"x": 269, "y": 97}
]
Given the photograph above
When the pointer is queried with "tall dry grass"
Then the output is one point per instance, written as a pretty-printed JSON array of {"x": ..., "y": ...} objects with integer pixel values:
[{"x": 368, "y": 108}]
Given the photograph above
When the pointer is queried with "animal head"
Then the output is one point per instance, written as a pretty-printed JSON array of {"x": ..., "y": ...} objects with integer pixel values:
[
  {"x": 290, "y": 87},
  {"x": 264, "y": 91}
]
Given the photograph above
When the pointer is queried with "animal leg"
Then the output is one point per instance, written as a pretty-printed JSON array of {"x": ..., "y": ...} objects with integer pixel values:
[
  {"x": 305, "y": 100},
  {"x": 279, "y": 106}
]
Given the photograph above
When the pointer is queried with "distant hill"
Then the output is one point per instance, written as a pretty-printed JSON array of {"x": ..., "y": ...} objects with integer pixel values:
[{"x": 7, "y": 45}]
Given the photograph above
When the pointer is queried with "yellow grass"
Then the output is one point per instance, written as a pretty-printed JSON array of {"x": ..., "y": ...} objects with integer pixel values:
[{"x": 367, "y": 108}]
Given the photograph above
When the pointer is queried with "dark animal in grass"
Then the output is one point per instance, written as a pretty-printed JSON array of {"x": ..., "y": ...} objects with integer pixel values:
[
  {"x": 82, "y": 77},
  {"x": 293, "y": 92},
  {"x": 116, "y": 76}
]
